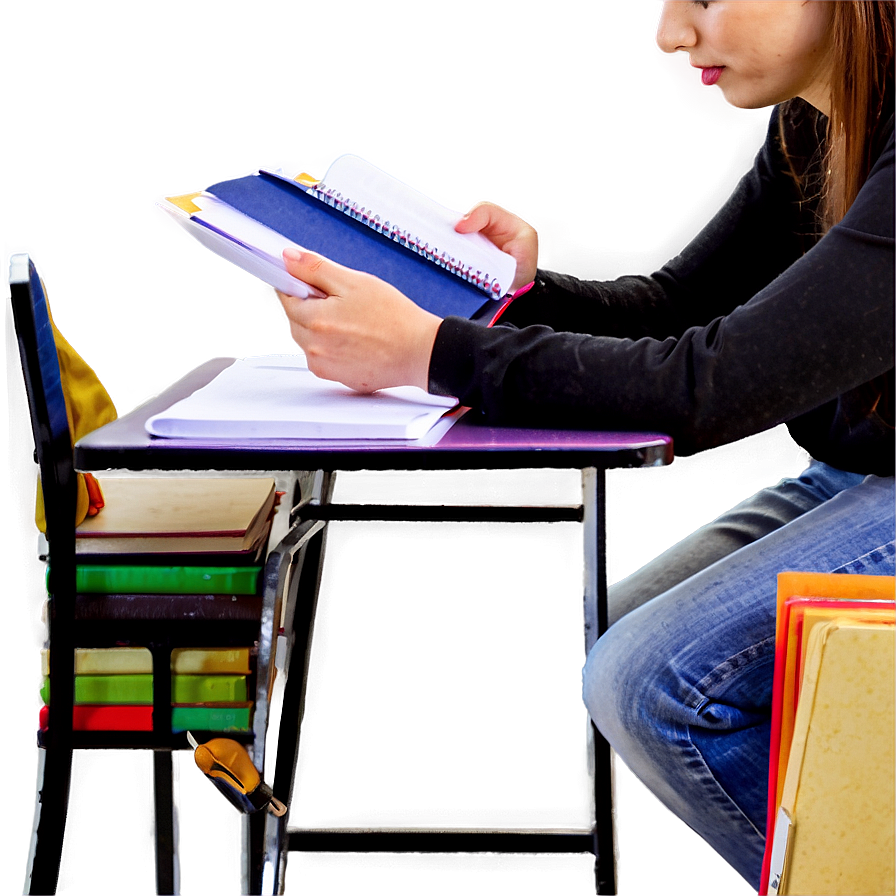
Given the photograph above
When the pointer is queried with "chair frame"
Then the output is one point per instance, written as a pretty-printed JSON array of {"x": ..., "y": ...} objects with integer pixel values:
[{"x": 75, "y": 620}]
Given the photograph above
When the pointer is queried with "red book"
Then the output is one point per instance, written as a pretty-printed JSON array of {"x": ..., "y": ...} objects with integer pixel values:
[{"x": 105, "y": 718}]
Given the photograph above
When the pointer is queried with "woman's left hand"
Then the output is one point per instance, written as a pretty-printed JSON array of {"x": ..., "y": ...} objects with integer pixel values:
[{"x": 365, "y": 333}]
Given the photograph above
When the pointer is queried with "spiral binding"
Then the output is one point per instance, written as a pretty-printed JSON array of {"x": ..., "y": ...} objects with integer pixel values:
[{"x": 392, "y": 231}]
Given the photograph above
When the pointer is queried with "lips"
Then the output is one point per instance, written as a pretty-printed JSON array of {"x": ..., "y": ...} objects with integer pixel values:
[{"x": 711, "y": 74}]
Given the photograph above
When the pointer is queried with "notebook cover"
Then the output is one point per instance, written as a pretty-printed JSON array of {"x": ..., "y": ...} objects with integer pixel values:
[{"x": 288, "y": 209}]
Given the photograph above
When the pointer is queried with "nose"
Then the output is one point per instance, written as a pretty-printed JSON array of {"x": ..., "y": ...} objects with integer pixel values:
[{"x": 675, "y": 30}]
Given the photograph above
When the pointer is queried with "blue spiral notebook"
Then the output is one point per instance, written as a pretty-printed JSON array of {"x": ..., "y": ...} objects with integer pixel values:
[{"x": 359, "y": 217}]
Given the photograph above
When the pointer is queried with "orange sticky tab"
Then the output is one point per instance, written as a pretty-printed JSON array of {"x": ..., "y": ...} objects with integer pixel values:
[{"x": 185, "y": 203}]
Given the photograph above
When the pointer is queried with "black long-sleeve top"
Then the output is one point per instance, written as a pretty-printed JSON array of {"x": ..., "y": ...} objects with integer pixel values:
[{"x": 757, "y": 322}]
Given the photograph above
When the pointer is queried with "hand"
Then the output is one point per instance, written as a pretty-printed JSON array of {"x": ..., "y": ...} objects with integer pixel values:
[
  {"x": 365, "y": 333},
  {"x": 509, "y": 233}
]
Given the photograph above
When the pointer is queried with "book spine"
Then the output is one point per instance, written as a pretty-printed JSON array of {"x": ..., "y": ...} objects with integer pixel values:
[
  {"x": 112, "y": 579},
  {"x": 393, "y": 231}
]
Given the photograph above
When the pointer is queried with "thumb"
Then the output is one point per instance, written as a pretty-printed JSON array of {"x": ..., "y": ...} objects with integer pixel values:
[{"x": 315, "y": 270}]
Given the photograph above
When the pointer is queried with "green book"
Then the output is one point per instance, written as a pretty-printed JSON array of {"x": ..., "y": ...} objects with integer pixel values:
[
  {"x": 211, "y": 718},
  {"x": 131, "y": 689},
  {"x": 112, "y": 579},
  {"x": 208, "y": 689}
]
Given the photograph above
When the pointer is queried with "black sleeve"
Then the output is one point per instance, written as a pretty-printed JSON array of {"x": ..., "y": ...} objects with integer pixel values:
[
  {"x": 723, "y": 359},
  {"x": 759, "y": 231}
]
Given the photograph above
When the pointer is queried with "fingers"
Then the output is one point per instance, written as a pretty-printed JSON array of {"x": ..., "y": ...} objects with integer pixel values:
[
  {"x": 475, "y": 220},
  {"x": 324, "y": 275}
]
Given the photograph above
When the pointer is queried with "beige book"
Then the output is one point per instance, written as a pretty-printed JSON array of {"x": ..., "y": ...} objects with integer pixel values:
[{"x": 158, "y": 509}]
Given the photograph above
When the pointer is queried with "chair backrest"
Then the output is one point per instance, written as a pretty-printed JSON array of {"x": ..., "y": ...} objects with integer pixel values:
[{"x": 46, "y": 402}]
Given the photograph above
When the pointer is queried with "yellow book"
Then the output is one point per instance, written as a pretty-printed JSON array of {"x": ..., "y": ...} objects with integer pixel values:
[
  {"x": 138, "y": 661},
  {"x": 208, "y": 661},
  {"x": 106, "y": 661},
  {"x": 839, "y": 786}
]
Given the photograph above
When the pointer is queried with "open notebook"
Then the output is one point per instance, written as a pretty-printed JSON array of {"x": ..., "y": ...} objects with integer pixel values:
[
  {"x": 360, "y": 217},
  {"x": 278, "y": 397}
]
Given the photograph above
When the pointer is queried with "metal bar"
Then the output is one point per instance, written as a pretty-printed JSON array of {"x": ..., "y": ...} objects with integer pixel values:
[
  {"x": 605, "y": 802},
  {"x": 442, "y": 514},
  {"x": 415, "y": 842}
]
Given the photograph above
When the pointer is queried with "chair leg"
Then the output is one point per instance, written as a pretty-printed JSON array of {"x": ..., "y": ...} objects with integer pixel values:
[
  {"x": 167, "y": 871},
  {"x": 54, "y": 775}
]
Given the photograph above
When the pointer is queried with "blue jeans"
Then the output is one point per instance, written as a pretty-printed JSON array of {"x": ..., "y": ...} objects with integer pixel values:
[{"x": 680, "y": 684}]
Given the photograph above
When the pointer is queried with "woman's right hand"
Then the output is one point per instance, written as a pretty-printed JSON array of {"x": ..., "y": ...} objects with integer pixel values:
[{"x": 509, "y": 233}]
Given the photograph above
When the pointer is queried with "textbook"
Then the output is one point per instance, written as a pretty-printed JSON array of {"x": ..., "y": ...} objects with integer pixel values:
[
  {"x": 197, "y": 607},
  {"x": 137, "y": 689},
  {"x": 138, "y": 660},
  {"x": 210, "y": 717},
  {"x": 154, "y": 579},
  {"x": 278, "y": 397},
  {"x": 360, "y": 217},
  {"x": 104, "y": 718},
  {"x": 147, "y": 515}
]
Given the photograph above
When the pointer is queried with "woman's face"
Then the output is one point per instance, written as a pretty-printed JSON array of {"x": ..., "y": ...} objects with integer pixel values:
[{"x": 759, "y": 52}]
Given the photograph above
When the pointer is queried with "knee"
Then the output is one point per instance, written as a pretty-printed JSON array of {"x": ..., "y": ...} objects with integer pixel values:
[{"x": 623, "y": 682}]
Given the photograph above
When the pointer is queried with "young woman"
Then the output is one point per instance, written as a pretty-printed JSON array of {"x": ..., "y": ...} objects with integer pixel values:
[{"x": 780, "y": 311}]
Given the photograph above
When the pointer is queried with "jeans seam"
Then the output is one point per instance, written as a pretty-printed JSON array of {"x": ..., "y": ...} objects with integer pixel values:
[
  {"x": 869, "y": 559},
  {"x": 723, "y": 671},
  {"x": 719, "y": 788}
]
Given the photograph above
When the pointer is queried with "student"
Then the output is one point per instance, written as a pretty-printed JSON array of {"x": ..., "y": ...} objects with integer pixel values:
[{"x": 779, "y": 311}]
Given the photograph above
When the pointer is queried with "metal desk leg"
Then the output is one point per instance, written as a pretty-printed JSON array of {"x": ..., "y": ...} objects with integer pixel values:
[{"x": 596, "y": 483}]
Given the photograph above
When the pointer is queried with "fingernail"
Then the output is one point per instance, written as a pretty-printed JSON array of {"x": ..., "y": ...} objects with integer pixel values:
[{"x": 291, "y": 254}]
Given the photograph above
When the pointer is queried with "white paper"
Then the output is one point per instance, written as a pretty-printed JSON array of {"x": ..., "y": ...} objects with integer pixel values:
[
  {"x": 277, "y": 397},
  {"x": 780, "y": 852}
]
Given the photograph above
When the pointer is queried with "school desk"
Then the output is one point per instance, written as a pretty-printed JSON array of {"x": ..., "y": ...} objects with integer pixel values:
[{"x": 434, "y": 709}]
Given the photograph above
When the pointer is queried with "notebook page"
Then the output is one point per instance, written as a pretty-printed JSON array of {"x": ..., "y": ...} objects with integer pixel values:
[{"x": 367, "y": 193}]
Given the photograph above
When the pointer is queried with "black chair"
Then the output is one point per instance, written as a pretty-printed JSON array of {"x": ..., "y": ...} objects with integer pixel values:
[{"x": 160, "y": 623}]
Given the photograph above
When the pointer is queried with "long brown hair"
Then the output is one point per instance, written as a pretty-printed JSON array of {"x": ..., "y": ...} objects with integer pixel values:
[{"x": 862, "y": 50}]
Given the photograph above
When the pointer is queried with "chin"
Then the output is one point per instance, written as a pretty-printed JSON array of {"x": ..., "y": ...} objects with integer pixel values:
[{"x": 749, "y": 102}]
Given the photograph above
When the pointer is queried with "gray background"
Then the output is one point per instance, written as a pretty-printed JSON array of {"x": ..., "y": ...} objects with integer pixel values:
[{"x": 565, "y": 112}]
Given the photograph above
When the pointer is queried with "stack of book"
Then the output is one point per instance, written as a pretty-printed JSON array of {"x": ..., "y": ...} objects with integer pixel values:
[
  {"x": 161, "y": 548},
  {"x": 831, "y": 826}
]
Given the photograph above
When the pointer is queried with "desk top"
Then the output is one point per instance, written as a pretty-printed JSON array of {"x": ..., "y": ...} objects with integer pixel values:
[{"x": 125, "y": 445}]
